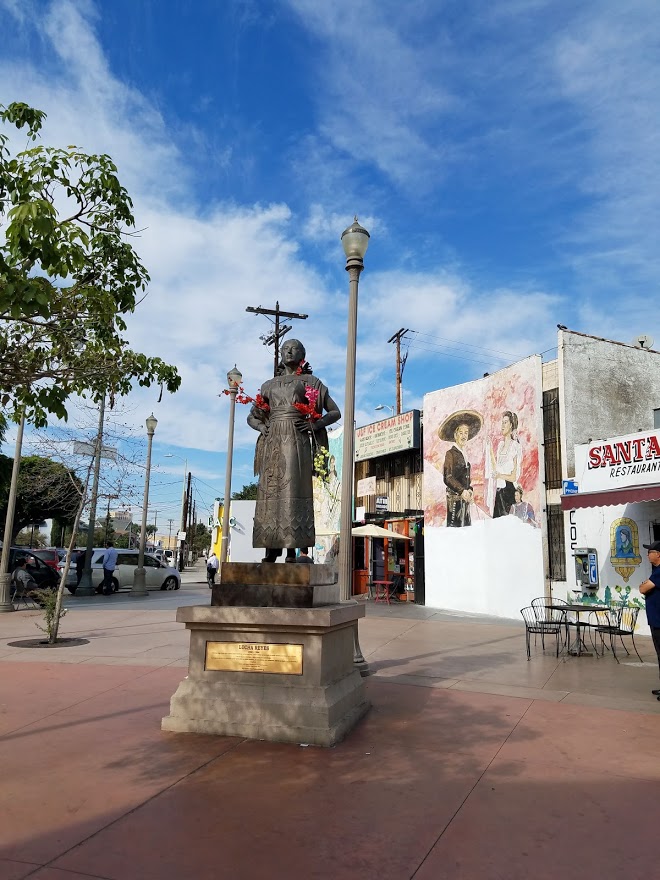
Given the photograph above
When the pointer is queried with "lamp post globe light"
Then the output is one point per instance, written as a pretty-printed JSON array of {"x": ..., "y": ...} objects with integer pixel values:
[
  {"x": 355, "y": 241},
  {"x": 139, "y": 587},
  {"x": 234, "y": 379}
]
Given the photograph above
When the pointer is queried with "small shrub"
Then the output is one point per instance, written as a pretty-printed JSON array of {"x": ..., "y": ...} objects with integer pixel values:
[{"x": 47, "y": 599}]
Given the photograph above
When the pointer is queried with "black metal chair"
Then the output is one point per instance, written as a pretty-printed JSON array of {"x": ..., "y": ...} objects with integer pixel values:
[
  {"x": 552, "y": 624},
  {"x": 19, "y": 593},
  {"x": 543, "y": 611},
  {"x": 622, "y": 622},
  {"x": 599, "y": 621}
]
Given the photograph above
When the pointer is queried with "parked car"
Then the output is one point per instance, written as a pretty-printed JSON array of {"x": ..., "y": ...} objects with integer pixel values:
[
  {"x": 50, "y": 555},
  {"x": 45, "y": 576},
  {"x": 158, "y": 575}
]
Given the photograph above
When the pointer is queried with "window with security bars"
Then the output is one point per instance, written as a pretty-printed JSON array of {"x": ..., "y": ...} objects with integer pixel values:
[
  {"x": 556, "y": 543},
  {"x": 552, "y": 439}
]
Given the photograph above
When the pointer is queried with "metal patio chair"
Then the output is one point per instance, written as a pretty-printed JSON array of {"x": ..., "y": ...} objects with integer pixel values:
[
  {"x": 622, "y": 622},
  {"x": 18, "y": 594},
  {"x": 552, "y": 624},
  {"x": 543, "y": 611}
]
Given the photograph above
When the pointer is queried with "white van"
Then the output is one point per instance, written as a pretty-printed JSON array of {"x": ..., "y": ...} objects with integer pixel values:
[{"x": 158, "y": 575}]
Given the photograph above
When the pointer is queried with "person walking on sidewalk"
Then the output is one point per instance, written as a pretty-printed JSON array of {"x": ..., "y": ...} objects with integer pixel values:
[
  {"x": 212, "y": 564},
  {"x": 650, "y": 589},
  {"x": 304, "y": 556},
  {"x": 109, "y": 565}
]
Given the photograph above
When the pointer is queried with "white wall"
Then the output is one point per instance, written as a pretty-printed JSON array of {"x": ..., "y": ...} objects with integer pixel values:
[
  {"x": 240, "y": 534},
  {"x": 499, "y": 571},
  {"x": 591, "y": 528}
]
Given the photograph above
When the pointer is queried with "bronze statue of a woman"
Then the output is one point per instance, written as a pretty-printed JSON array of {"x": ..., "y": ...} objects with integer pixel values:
[{"x": 291, "y": 420}]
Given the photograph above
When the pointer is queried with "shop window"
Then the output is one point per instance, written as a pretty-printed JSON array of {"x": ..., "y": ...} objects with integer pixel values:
[
  {"x": 552, "y": 439},
  {"x": 556, "y": 543}
]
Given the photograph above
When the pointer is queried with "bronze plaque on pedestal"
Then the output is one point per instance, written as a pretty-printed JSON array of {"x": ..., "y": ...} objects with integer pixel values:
[{"x": 254, "y": 657}]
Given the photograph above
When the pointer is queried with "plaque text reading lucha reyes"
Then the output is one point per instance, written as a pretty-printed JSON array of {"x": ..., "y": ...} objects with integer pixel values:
[{"x": 254, "y": 657}]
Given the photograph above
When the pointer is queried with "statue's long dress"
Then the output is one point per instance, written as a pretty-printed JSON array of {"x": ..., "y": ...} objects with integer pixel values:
[{"x": 284, "y": 515}]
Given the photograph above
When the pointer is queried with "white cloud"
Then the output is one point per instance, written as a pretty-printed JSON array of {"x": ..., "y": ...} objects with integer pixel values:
[{"x": 209, "y": 262}]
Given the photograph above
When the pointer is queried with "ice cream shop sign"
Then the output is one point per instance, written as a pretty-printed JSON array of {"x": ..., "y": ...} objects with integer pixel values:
[
  {"x": 631, "y": 460},
  {"x": 387, "y": 436}
]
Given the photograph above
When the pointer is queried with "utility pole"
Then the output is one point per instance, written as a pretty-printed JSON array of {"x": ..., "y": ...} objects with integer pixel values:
[
  {"x": 169, "y": 538},
  {"x": 400, "y": 364},
  {"x": 280, "y": 330},
  {"x": 184, "y": 522}
]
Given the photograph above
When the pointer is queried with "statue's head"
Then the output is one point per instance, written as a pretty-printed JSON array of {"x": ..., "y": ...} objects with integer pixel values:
[{"x": 292, "y": 352}]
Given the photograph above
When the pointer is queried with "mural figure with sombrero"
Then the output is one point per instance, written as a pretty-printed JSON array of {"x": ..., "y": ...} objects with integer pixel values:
[{"x": 459, "y": 428}]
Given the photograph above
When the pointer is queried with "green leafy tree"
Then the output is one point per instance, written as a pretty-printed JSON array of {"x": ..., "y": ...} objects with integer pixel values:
[
  {"x": 45, "y": 489},
  {"x": 247, "y": 493},
  {"x": 68, "y": 277},
  {"x": 201, "y": 538}
]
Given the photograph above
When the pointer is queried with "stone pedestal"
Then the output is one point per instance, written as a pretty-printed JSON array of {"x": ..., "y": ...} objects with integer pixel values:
[
  {"x": 275, "y": 585},
  {"x": 280, "y": 674}
]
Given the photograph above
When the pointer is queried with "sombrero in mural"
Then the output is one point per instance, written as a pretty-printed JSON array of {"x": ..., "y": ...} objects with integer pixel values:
[{"x": 467, "y": 417}]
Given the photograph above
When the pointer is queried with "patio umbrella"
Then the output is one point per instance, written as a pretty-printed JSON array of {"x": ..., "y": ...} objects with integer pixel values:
[{"x": 374, "y": 531}]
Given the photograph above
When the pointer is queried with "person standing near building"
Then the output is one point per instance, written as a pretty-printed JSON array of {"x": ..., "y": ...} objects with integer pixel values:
[
  {"x": 212, "y": 564},
  {"x": 109, "y": 565},
  {"x": 650, "y": 589},
  {"x": 80, "y": 565},
  {"x": 304, "y": 556}
]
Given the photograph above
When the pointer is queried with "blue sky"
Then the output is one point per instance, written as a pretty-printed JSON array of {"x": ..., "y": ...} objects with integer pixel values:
[{"x": 505, "y": 158}]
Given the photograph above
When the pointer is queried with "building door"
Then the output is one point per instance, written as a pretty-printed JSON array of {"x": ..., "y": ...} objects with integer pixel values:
[{"x": 378, "y": 559}]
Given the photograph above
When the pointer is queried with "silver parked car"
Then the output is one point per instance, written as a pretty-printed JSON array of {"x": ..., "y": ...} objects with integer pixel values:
[{"x": 158, "y": 575}]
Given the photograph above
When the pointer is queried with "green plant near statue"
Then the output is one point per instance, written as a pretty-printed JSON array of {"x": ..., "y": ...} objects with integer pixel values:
[{"x": 47, "y": 600}]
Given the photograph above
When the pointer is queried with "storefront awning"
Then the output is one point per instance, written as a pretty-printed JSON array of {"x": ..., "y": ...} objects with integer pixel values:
[{"x": 630, "y": 495}]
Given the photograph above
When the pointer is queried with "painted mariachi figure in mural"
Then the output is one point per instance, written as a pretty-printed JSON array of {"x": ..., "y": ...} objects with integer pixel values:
[
  {"x": 290, "y": 417},
  {"x": 503, "y": 465},
  {"x": 460, "y": 427}
]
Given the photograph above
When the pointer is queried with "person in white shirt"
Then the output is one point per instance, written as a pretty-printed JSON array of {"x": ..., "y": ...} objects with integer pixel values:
[
  {"x": 212, "y": 564},
  {"x": 109, "y": 565}
]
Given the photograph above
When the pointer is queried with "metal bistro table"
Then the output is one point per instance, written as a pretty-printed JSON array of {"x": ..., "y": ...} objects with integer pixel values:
[
  {"x": 578, "y": 647},
  {"x": 382, "y": 591}
]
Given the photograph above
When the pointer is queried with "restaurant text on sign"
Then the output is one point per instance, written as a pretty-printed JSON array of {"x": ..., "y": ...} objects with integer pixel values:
[{"x": 617, "y": 462}]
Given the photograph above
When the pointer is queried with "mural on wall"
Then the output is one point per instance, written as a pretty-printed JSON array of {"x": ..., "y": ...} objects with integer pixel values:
[
  {"x": 481, "y": 448},
  {"x": 624, "y": 546},
  {"x": 483, "y": 492},
  {"x": 327, "y": 499}
]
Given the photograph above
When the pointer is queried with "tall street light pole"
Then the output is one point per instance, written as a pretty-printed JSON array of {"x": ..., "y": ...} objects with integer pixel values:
[
  {"x": 139, "y": 587},
  {"x": 5, "y": 576},
  {"x": 234, "y": 379},
  {"x": 355, "y": 241}
]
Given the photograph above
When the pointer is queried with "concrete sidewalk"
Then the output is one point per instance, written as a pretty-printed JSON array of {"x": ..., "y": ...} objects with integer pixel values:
[{"x": 472, "y": 763}]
